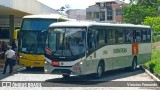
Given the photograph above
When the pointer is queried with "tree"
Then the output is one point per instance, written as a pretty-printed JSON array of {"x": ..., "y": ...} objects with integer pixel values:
[
  {"x": 137, "y": 10},
  {"x": 154, "y": 23},
  {"x": 64, "y": 8}
]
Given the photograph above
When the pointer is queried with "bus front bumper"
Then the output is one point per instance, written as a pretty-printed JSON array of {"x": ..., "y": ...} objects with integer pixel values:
[
  {"x": 69, "y": 70},
  {"x": 31, "y": 63}
]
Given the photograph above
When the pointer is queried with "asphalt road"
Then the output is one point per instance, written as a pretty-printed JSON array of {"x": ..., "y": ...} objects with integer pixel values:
[{"x": 112, "y": 80}]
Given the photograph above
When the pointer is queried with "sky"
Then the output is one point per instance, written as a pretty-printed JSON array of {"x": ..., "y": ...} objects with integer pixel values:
[{"x": 74, "y": 4}]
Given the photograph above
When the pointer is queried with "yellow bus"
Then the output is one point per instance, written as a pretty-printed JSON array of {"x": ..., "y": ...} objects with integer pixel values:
[{"x": 31, "y": 43}]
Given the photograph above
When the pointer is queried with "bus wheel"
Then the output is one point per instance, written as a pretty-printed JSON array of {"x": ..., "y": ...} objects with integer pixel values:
[
  {"x": 134, "y": 64},
  {"x": 99, "y": 70},
  {"x": 65, "y": 76}
]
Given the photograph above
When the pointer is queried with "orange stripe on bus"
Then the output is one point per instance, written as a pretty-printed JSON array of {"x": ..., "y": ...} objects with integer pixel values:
[{"x": 134, "y": 49}]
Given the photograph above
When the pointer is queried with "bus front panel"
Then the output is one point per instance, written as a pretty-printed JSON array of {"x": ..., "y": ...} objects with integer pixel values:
[{"x": 30, "y": 60}]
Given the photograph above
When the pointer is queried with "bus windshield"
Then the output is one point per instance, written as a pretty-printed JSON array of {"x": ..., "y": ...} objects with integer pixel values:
[
  {"x": 32, "y": 42},
  {"x": 67, "y": 41},
  {"x": 36, "y": 23}
]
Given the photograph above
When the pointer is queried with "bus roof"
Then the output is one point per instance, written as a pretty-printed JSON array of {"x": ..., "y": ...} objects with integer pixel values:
[
  {"x": 47, "y": 16},
  {"x": 88, "y": 23}
]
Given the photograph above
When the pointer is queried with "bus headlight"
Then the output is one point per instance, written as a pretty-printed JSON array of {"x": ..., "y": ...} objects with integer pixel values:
[
  {"x": 80, "y": 62},
  {"x": 45, "y": 62},
  {"x": 23, "y": 57},
  {"x": 45, "y": 70}
]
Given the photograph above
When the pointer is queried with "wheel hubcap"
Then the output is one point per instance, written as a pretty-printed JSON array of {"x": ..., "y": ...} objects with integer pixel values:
[
  {"x": 134, "y": 65},
  {"x": 99, "y": 71}
]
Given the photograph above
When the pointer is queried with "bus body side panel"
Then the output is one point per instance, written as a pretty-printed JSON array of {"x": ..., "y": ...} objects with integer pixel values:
[
  {"x": 144, "y": 53},
  {"x": 91, "y": 64},
  {"x": 114, "y": 56}
]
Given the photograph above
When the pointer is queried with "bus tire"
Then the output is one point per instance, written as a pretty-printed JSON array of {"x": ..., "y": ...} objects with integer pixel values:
[
  {"x": 134, "y": 64},
  {"x": 65, "y": 76},
  {"x": 100, "y": 70}
]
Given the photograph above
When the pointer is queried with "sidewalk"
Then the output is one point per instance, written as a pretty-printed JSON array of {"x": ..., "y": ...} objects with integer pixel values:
[{"x": 2, "y": 62}]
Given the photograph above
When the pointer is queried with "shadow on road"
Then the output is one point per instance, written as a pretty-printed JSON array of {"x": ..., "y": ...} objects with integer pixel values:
[
  {"x": 33, "y": 70},
  {"x": 23, "y": 70},
  {"x": 89, "y": 80},
  {"x": 2, "y": 76}
]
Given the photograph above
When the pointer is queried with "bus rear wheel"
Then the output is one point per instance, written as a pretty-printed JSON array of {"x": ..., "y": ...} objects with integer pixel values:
[
  {"x": 65, "y": 76},
  {"x": 134, "y": 64}
]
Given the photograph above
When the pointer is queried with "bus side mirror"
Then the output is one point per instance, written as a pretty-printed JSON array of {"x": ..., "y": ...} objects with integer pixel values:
[{"x": 44, "y": 33}]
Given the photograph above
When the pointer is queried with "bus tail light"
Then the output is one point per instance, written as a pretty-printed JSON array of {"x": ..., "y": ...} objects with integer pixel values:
[{"x": 55, "y": 63}]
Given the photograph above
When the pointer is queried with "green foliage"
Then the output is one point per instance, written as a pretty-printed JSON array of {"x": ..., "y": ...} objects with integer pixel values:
[
  {"x": 146, "y": 2},
  {"x": 135, "y": 14},
  {"x": 154, "y": 64},
  {"x": 155, "y": 55},
  {"x": 154, "y": 23},
  {"x": 156, "y": 38},
  {"x": 153, "y": 3},
  {"x": 137, "y": 10},
  {"x": 151, "y": 65},
  {"x": 157, "y": 68}
]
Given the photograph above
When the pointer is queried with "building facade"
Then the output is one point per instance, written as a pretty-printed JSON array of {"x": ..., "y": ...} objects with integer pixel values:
[
  {"x": 12, "y": 11},
  {"x": 78, "y": 14},
  {"x": 106, "y": 11}
]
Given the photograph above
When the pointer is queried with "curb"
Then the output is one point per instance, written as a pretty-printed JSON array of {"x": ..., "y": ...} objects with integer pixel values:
[{"x": 150, "y": 74}]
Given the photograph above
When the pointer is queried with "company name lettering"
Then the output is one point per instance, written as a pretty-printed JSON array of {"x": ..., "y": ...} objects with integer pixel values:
[{"x": 120, "y": 50}]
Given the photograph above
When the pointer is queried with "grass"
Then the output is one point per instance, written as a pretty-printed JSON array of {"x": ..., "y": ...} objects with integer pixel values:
[{"x": 154, "y": 64}]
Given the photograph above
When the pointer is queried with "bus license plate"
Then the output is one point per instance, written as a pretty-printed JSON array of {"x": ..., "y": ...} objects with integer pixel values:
[
  {"x": 37, "y": 63},
  {"x": 55, "y": 63}
]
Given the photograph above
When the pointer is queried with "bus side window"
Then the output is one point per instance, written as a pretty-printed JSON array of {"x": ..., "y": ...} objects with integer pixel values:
[
  {"x": 138, "y": 36},
  {"x": 120, "y": 36},
  {"x": 129, "y": 36},
  {"x": 106, "y": 36},
  {"x": 101, "y": 37},
  {"x": 144, "y": 35},
  {"x": 148, "y": 35},
  {"x": 111, "y": 38}
]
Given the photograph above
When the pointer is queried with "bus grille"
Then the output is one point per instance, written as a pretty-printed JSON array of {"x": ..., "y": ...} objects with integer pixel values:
[{"x": 61, "y": 71}]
